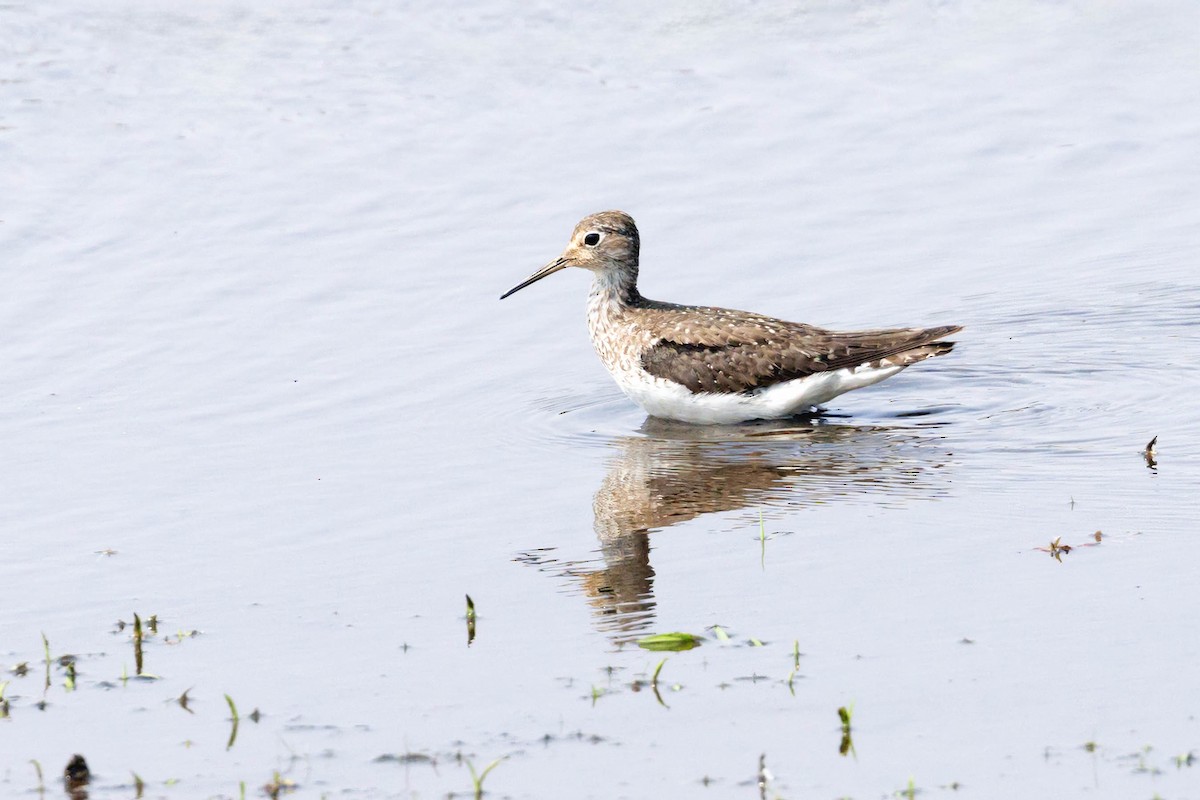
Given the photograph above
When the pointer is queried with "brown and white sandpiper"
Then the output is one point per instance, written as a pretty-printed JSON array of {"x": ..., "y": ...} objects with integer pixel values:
[{"x": 715, "y": 365}]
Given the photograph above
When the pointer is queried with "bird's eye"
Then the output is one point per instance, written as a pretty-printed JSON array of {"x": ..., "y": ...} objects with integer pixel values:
[{"x": 592, "y": 239}]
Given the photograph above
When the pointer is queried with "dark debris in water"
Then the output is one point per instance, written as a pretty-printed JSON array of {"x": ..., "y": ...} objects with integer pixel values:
[
  {"x": 515, "y": 746},
  {"x": 406, "y": 758},
  {"x": 577, "y": 736},
  {"x": 76, "y": 777},
  {"x": 1057, "y": 549},
  {"x": 280, "y": 785},
  {"x": 470, "y": 620}
]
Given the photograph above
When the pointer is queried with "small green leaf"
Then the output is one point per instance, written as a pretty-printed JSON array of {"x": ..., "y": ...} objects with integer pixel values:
[{"x": 674, "y": 642}]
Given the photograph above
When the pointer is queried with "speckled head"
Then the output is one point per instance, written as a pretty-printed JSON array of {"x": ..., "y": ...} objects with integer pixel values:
[{"x": 603, "y": 242}]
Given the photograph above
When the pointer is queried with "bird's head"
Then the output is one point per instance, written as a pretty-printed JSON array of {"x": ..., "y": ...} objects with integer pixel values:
[{"x": 603, "y": 242}]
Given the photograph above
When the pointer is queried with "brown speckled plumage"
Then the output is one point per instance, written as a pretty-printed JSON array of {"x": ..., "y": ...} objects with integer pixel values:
[{"x": 721, "y": 350}]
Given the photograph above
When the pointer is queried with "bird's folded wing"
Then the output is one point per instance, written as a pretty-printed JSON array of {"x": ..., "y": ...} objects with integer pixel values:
[{"x": 748, "y": 352}]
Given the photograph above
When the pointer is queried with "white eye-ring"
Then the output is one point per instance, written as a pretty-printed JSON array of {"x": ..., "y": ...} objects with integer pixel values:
[{"x": 592, "y": 238}]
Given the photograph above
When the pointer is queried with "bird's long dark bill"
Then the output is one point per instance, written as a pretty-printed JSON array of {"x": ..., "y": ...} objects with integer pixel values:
[{"x": 549, "y": 269}]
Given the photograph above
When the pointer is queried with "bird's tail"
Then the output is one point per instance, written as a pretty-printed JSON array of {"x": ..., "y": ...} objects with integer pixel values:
[{"x": 938, "y": 348}]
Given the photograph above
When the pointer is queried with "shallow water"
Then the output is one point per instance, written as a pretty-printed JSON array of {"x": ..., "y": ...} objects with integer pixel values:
[{"x": 257, "y": 383}]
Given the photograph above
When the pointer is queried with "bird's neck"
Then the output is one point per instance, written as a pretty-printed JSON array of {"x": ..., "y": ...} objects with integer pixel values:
[
  {"x": 614, "y": 293},
  {"x": 614, "y": 289}
]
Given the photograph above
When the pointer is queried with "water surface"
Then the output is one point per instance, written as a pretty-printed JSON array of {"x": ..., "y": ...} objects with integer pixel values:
[{"x": 257, "y": 384}]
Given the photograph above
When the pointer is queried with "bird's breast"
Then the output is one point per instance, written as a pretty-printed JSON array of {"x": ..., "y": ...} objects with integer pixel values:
[{"x": 618, "y": 339}]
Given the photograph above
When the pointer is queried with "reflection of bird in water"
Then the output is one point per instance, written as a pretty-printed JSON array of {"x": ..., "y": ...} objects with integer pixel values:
[{"x": 673, "y": 473}]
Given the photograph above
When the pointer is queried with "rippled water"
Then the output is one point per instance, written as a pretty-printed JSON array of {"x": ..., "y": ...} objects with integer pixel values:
[{"x": 257, "y": 385}]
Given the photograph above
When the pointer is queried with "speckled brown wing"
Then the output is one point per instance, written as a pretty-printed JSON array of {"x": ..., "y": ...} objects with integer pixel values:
[{"x": 721, "y": 350}]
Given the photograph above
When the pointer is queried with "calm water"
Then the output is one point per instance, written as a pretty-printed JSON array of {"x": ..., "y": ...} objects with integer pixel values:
[{"x": 257, "y": 383}]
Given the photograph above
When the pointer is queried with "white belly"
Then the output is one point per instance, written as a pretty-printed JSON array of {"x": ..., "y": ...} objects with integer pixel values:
[{"x": 670, "y": 400}]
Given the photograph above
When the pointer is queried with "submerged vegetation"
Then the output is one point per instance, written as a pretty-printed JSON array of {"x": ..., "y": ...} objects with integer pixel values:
[
  {"x": 791, "y": 677},
  {"x": 62, "y": 674},
  {"x": 846, "y": 715},
  {"x": 477, "y": 778}
]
